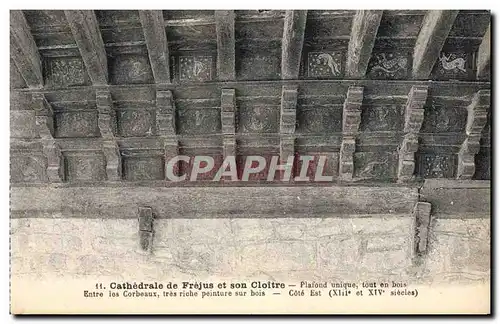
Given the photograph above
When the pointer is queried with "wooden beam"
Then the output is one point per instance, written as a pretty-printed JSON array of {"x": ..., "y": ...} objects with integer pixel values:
[
  {"x": 85, "y": 29},
  {"x": 224, "y": 24},
  {"x": 153, "y": 26},
  {"x": 293, "y": 40},
  {"x": 364, "y": 30},
  {"x": 23, "y": 50},
  {"x": 433, "y": 33},
  {"x": 483, "y": 56},
  {"x": 186, "y": 202},
  {"x": 458, "y": 199}
]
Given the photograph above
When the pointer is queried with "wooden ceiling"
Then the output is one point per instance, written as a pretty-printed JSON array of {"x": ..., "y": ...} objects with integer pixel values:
[{"x": 108, "y": 96}]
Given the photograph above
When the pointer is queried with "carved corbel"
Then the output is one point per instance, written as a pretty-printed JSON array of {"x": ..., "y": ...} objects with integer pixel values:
[
  {"x": 113, "y": 160},
  {"x": 44, "y": 116},
  {"x": 351, "y": 118},
  {"x": 414, "y": 111},
  {"x": 55, "y": 161},
  {"x": 228, "y": 110},
  {"x": 414, "y": 117},
  {"x": 165, "y": 113},
  {"x": 107, "y": 114},
  {"x": 346, "y": 167},
  {"x": 288, "y": 116},
  {"x": 287, "y": 148},
  {"x": 229, "y": 146},
  {"x": 476, "y": 120}
]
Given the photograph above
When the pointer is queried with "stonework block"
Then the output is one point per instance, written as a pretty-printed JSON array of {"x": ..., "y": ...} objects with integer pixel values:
[
  {"x": 387, "y": 243},
  {"x": 459, "y": 248},
  {"x": 339, "y": 254},
  {"x": 115, "y": 246},
  {"x": 205, "y": 258},
  {"x": 384, "y": 262},
  {"x": 278, "y": 256},
  {"x": 252, "y": 230},
  {"x": 201, "y": 231}
]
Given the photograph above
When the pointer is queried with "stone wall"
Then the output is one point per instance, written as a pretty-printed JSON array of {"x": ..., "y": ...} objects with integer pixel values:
[{"x": 356, "y": 248}]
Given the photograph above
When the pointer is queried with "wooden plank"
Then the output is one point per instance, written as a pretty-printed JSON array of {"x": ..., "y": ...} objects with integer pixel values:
[
  {"x": 458, "y": 198},
  {"x": 203, "y": 202},
  {"x": 462, "y": 90},
  {"x": 224, "y": 25},
  {"x": 483, "y": 56},
  {"x": 23, "y": 50},
  {"x": 364, "y": 30},
  {"x": 293, "y": 40},
  {"x": 85, "y": 29},
  {"x": 433, "y": 33},
  {"x": 153, "y": 26}
]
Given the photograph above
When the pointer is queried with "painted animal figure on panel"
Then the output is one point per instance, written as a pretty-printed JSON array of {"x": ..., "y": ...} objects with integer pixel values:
[{"x": 458, "y": 63}]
